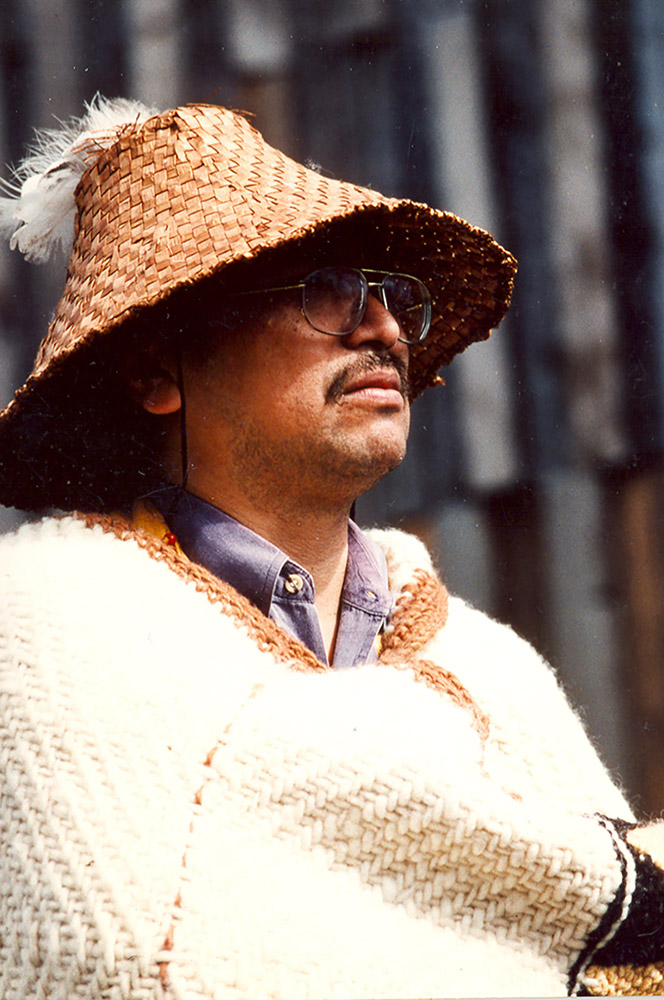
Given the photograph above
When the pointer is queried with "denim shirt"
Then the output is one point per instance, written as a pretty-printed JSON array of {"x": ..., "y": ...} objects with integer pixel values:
[{"x": 278, "y": 586}]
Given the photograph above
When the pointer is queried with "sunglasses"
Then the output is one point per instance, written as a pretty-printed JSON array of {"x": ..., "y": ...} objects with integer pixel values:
[{"x": 335, "y": 299}]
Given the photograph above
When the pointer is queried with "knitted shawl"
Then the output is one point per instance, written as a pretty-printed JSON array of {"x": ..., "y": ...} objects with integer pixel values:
[{"x": 193, "y": 806}]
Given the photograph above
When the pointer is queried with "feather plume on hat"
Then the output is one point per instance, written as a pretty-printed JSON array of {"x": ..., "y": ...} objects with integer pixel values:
[{"x": 38, "y": 214}]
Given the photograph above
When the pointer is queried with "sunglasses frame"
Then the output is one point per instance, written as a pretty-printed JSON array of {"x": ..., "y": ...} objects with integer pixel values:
[{"x": 366, "y": 286}]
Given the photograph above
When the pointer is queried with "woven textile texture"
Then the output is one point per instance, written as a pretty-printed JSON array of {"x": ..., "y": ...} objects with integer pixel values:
[{"x": 193, "y": 807}]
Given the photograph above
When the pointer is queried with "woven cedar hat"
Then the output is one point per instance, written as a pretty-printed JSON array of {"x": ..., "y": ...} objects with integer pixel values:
[{"x": 168, "y": 200}]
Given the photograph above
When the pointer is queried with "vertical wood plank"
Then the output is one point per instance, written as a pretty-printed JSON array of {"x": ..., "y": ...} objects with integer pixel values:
[
  {"x": 635, "y": 531},
  {"x": 462, "y": 183},
  {"x": 586, "y": 305}
]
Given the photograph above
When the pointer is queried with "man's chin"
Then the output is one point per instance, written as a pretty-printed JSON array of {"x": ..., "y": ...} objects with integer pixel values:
[{"x": 368, "y": 464}]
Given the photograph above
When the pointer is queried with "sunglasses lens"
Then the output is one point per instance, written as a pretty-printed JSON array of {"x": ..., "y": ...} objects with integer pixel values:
[
  {"x": 409, "y": 302},
  {"x": 334, "y": 299}
]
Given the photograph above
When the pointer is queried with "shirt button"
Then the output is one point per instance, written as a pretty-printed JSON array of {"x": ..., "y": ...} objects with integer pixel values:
[
  {"x": 370, "y": 594},
  {"x": 294, "y": 583}
]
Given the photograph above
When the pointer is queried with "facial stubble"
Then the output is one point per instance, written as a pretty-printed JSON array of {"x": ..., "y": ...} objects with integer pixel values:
[{"x": 331, "y": 468}]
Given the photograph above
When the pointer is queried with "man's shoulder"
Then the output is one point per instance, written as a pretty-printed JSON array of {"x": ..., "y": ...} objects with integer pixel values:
[
  {"x": 94, "y": 560},
  {"x": 35, "y": 539},
  {"x": 405, "y": 554},
  {"x": 470, "y": 636},
  {"x": 401, "y": 548},
  {"x": 84, "y": 573},
  {"x": 46, "y": 540},
  {"x": 65, "y": 568}
]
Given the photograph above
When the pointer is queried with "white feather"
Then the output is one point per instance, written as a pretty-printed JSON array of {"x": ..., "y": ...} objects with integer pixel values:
[{"x": 38, "y": 214}]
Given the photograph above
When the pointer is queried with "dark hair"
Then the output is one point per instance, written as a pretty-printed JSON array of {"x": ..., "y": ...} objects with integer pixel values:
[{"x": 97, "y": 448}]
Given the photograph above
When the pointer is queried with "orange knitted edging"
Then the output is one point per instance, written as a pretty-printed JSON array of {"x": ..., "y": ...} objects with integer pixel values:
[{"x": 421, "y": 612}]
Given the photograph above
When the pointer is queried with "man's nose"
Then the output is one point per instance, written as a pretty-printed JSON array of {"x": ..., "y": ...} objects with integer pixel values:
[{"x": 378, "y": 325}]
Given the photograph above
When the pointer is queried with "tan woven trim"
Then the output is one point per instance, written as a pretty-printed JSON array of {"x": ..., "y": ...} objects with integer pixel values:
[
  {"x": 421, "y": 613},
  {"x": 439, "y": 679},
  {"x": 626, "y": 980}
]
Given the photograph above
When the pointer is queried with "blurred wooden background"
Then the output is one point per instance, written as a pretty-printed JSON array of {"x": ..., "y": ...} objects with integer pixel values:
[{"x": 536, "y": 475}]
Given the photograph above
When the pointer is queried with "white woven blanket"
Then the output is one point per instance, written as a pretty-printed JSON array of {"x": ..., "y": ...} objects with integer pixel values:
[{"x": 182, "y": 815}]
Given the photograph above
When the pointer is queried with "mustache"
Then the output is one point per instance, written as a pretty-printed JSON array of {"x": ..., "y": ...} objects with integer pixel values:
[{"x": 370, "y": 362}]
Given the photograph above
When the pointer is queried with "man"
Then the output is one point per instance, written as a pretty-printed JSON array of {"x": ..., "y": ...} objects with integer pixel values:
[{"x": 194, "y": 803}]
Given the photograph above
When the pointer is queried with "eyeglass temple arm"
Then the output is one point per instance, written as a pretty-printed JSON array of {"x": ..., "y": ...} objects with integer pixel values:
[{"x": 263, "y": 291}]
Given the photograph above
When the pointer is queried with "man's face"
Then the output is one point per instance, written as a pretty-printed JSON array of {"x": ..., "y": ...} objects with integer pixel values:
[{"x": 281, "y": 406}]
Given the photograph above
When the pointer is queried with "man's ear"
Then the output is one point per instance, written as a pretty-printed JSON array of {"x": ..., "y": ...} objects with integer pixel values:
[{"x": 152, "y": 386}]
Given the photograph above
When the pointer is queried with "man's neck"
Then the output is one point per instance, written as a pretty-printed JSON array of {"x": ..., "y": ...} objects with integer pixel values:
[{"x": 315, "y": 539}]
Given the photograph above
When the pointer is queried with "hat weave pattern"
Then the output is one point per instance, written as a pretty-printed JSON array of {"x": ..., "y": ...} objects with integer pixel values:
[{"x": 174, "y": 201}]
